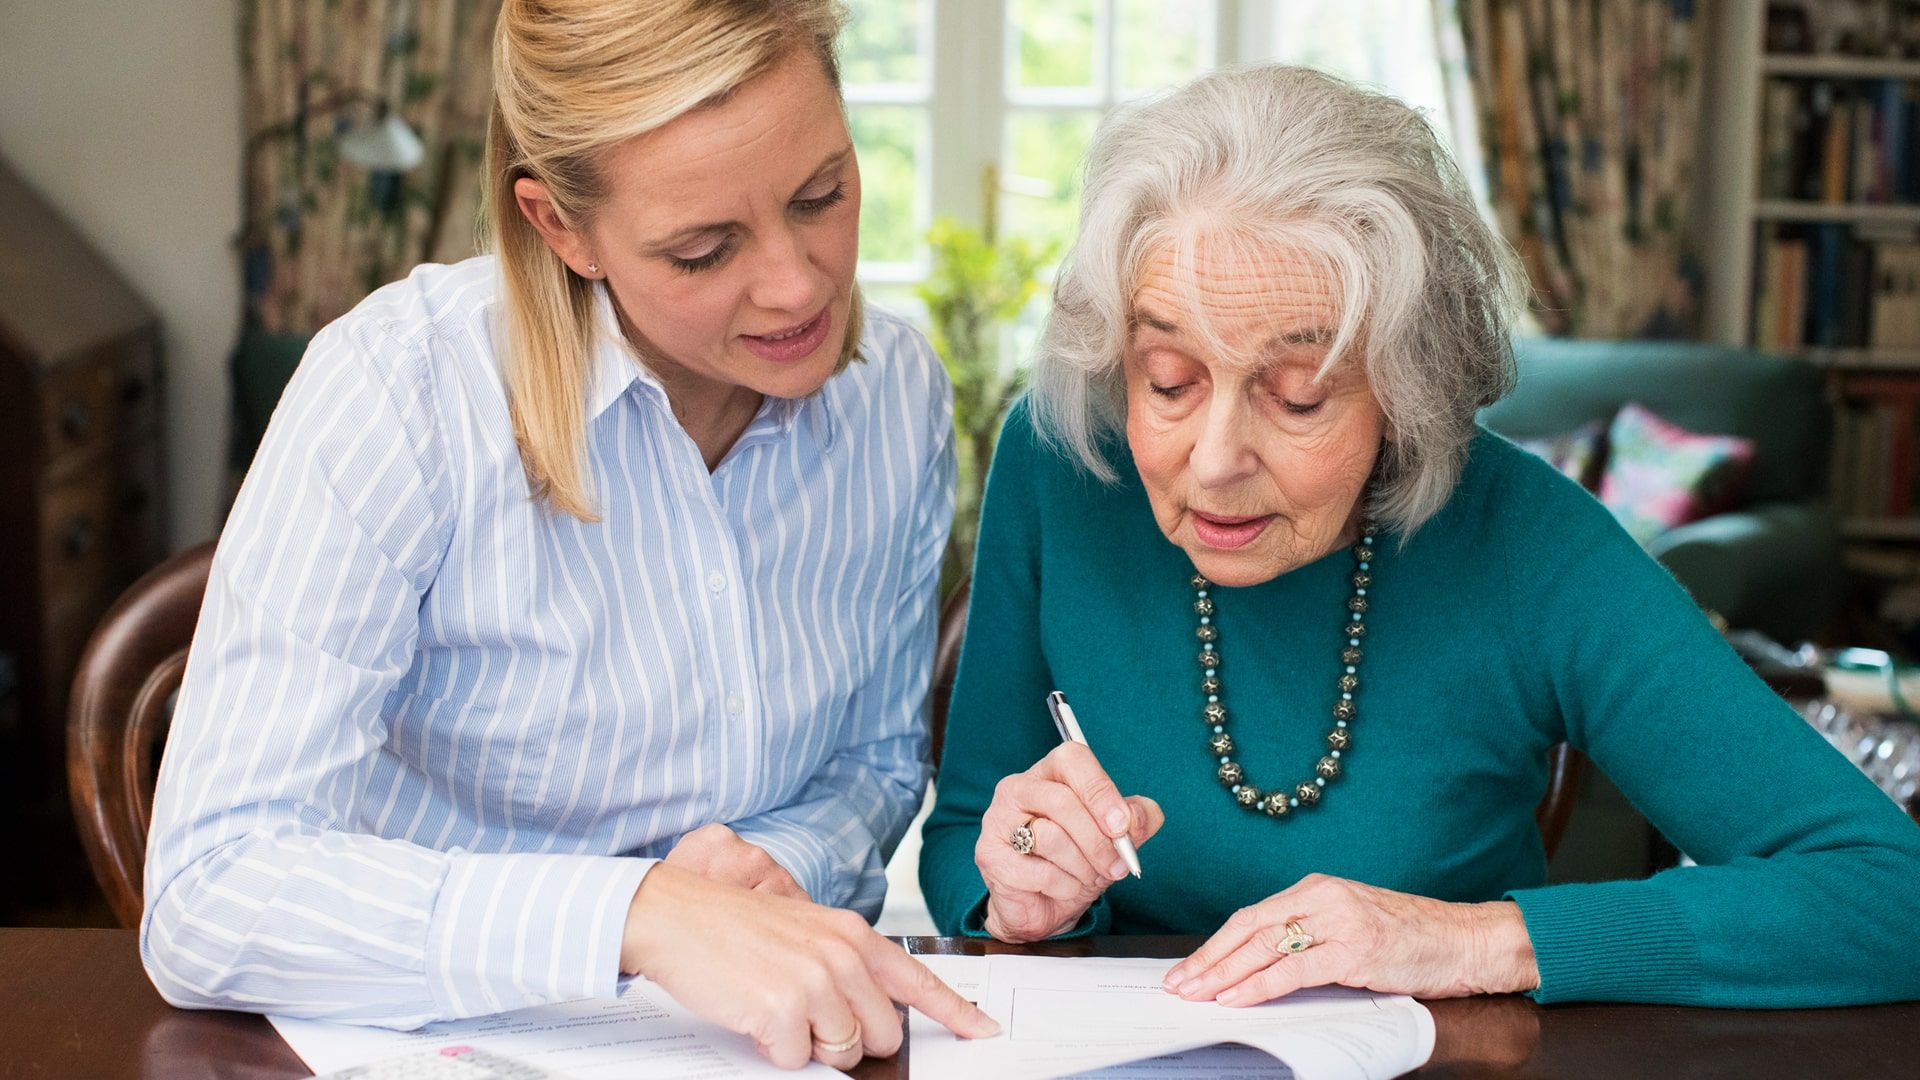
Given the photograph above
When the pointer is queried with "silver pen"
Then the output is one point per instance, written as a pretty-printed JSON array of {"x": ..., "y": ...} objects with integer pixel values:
[{"x": 1069, "y": 728}]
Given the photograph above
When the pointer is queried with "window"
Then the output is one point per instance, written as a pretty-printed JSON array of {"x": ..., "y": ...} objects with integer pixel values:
[{"x": 981, "y": 110}]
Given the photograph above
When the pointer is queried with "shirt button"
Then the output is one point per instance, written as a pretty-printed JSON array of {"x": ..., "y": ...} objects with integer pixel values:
[
  {"x": 716, "y": 581},
  {"x": 734, "y": 704}
]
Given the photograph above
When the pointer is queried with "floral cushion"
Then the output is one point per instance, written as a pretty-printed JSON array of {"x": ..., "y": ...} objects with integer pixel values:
[
  {"x": 1578, "y": 454},
  {"x": 1660, "y": 475}
]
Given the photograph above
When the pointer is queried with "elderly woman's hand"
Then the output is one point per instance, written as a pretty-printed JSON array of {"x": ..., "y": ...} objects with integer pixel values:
[
  {"x": 1362, "y": 936},
  {"x": 1074, "y": 812}
]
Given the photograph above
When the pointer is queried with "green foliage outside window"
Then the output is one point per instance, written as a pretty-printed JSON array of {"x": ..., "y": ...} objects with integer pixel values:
[{"x": 976, "y": 287}]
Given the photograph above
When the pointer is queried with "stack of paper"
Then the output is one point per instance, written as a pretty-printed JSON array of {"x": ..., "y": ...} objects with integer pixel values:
[
  {"x": 1059, "y": 1017},
  {"x": 1062, "y": 1017},
  {"x": 643, "y": 1032}
]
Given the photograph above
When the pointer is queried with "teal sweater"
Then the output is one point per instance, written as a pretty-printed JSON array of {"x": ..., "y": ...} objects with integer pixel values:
[{"x": 1519, "y": 617}]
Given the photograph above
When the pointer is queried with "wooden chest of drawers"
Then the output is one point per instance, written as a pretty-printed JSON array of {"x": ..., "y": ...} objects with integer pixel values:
[{"x": 81, "y": 469}]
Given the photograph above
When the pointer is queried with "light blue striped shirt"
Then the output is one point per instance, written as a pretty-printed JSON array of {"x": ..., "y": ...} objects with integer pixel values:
[{"x": 433, "y": 735}]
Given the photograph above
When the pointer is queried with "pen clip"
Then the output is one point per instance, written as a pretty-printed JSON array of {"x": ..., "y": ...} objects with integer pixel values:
[{"x": 1055, "y": 701}]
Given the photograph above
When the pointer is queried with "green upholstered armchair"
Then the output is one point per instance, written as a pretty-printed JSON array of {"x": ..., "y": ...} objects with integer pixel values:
[{"x": 1771, "y": 565}]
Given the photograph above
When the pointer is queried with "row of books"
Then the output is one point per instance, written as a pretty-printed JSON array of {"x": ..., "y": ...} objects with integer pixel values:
[
  {"x": 1874, "y": 441},
  {"x": 1852, "y": 140},
  {"x": 1836, "y": 287}
]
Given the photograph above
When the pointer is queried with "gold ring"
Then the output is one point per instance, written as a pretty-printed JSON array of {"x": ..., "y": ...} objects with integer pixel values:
[
  {"x": 840, "y": 1047},
  {"x": 1296, "y": 941},
  {"x": 1022, "y": 838}
]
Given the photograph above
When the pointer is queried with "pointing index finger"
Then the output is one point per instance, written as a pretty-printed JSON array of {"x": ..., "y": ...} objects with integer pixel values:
[{"x": 909, "y": 982}]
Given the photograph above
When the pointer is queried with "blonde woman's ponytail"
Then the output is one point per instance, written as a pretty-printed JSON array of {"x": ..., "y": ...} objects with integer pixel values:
[{"x": 571, "y": 80}]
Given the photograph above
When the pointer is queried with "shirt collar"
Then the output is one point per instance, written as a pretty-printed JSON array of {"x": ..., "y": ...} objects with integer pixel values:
[{"x": 615, "y": 369}]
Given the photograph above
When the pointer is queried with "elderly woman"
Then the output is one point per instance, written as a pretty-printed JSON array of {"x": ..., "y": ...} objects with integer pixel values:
[
  {"x": 577, "y": 616},
  {"x": 1324, "y": 631}
]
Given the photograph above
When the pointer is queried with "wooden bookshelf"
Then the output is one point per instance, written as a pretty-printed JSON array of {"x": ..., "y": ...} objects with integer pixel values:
[
  {"x": 1813, "y": 66},
  {"x": 1810, "y": 212},
  {"x": 1899, "y": 360},
  {"x": 1899, "y": 529},
  {"x": 1813, "y": 175}
]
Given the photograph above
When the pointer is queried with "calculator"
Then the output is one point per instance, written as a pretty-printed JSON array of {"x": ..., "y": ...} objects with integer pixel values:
[{"x": 446, "y": 1063}]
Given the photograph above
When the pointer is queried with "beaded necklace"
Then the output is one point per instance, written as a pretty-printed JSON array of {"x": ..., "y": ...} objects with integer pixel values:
[{"x": 1280, "y": 803}]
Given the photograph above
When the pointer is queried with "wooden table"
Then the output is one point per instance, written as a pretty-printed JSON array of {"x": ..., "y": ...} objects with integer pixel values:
[{"x": 74, "y": 1003}]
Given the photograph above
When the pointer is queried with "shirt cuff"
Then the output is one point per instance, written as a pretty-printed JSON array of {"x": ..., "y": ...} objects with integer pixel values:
[
  {"x": 797, "y": 849},
  {"x": 514, "y": 930},
  {"x": 1610, "y": 941}
]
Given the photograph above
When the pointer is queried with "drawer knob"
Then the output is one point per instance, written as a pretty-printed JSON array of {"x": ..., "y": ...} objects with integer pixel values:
[
  {"x": 79, "y": 538},
  {"x": 76, "y": 420}
]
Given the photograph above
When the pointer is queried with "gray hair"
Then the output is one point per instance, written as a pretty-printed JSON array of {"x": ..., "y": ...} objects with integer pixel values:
[{"x": 1278, "y": 157}]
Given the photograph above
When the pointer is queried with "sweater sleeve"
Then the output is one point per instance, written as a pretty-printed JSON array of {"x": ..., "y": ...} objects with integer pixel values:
[
  {"x": 1003, "y": 673},
  {"x": 1809, "y": 876}
]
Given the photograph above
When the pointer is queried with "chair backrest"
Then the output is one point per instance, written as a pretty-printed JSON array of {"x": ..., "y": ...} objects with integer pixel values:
[
  {"x": 118, "y": 716},
  {"x": 1565, "y": 765}
]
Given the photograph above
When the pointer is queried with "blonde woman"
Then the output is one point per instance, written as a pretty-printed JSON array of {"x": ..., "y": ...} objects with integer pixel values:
[{"x": 576, "y": 618}]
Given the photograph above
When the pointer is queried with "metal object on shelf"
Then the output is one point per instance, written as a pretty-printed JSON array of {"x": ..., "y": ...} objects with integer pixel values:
[{"x": 1886, "y": 748}]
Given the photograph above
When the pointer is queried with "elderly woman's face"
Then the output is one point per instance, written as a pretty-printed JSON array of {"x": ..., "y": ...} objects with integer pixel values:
[
  {"x": 729, "y": 235},
  {"x": 1253, "y": 466}
]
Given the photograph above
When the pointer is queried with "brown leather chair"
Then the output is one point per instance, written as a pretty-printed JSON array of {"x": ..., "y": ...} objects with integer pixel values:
[
  {"x": 117, "y": 720},
  {"x": 1564, "y": 768}
]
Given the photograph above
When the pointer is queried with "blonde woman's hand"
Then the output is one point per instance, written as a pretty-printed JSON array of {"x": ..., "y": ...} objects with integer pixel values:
[
  {"x": 1074, "y": 812},
  {"x": 1363, "y": 936},
  {"x": 795, "y": 977},
  {"x": 717, "y": 853}
]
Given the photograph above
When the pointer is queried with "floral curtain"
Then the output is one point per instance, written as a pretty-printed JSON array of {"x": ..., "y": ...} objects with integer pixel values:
[
  {"x": 321, "y": 230},
  {"x": 1589, "y": 113}
]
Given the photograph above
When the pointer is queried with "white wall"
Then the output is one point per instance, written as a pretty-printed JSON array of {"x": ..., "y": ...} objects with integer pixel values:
[{"x": 125, "y": 114}]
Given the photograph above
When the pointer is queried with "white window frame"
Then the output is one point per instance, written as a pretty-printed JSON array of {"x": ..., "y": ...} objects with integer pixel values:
[
  {"x": 967, "y": 44},
  {"x": 965, "y": 47}
]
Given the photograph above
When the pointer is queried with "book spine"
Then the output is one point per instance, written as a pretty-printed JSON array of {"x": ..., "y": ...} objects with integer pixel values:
[{"x": 1833, "y": 153}]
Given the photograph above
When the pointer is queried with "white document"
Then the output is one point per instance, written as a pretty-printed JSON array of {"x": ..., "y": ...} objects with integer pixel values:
[
  {"x": 1062, "y": 1017},
  {"x": 643, "y": 1032}
]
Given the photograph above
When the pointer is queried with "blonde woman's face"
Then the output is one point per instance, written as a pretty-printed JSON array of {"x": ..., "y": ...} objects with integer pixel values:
[
  {"x": 729, "y": 235},
  {"x": 1252, "y": 464}
]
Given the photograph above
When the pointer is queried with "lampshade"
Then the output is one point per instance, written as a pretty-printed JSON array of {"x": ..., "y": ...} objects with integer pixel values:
[{"x": 386, "y": 146}]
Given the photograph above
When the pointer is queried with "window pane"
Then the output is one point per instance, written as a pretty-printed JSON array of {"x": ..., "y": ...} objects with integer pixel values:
[
  {"x": 1387, "y": 44},
  {"x": 1160, "y": 42},
  {"x": 1040, "y": 197},
  {"x": 888, "y": 139},
  {"x": 1053, "y": 42},
  {"x": 898, "y": 298},
  {"x": 881, "y": 43}
]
